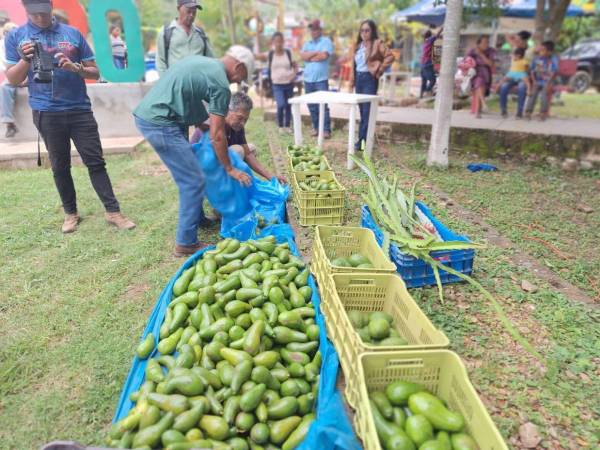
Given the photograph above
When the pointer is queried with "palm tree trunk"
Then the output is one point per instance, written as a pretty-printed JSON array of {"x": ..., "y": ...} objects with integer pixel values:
[{"x": 440, "y": 132}]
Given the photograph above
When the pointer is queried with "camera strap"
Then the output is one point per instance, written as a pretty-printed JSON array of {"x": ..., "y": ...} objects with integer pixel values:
[{"x": 39, "y": 124}]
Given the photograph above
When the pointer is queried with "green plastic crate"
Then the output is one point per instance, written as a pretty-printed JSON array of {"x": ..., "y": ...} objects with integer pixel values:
[
  {"x": 368, "y": 293},
  {"x": 318, "y": 207},
  {"x": 441, "y": 372}
]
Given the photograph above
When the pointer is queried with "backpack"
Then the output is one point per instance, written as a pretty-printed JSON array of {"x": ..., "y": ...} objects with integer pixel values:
[
  {"x": 271, "y": 53},
  {"x": 168, "y": 34}
]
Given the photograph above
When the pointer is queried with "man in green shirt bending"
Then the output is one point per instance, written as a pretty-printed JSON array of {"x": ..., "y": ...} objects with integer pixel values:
[
  {"x": 181, "y": 38},
  {"x": 174, "y": 104}
]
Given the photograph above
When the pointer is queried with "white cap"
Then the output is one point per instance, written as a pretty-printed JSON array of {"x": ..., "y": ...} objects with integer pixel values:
[{"x": 245, "y": 56}]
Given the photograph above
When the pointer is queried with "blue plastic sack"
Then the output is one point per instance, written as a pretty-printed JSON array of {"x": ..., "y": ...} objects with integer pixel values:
[
  {"x": 476, "y": 167},
  {"x": 331, "y": 430},
  {"x": 228, "y": 196},
  {"x": 268, "y": 199},
  {"x": 237, "y": 204}
]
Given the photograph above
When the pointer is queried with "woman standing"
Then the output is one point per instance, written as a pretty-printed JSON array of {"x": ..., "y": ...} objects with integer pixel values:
[
  {"x": 370, "y": 59},
  {"x": 481, "y": 83},
  {"x": 282, "y": 71}
]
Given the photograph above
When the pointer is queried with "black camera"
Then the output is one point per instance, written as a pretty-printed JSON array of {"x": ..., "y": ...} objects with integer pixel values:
[{"x": 42, "y": 62}]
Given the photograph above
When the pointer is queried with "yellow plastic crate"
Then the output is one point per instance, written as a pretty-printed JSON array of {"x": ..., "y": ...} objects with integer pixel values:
[
  {"x": 335, "y": 242},
  {"x": 441, "y": 372},
  {"x": 369, "y": 293},
  {"x": 318, "y": 207}
]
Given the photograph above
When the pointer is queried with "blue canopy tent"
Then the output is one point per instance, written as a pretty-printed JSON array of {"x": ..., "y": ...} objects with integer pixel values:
[
  {"x": 425, "y": 12},
  {"x": 526, "y": 9}
]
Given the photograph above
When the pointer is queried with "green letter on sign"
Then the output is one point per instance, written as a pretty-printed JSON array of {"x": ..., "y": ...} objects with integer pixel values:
[{"x": 131, "y": 24}]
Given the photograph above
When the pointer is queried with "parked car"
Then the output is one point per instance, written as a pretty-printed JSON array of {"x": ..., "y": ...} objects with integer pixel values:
[{"x": 587, "y": 54}]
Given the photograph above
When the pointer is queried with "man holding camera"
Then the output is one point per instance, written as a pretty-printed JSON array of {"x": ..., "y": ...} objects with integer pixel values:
[{"x": 56, "y": 59}]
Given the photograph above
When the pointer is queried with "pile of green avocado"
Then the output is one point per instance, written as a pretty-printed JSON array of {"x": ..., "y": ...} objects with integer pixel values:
[
  {"x": 309, "y": 163},
  {"x": 407, "y": 417},
  {"x": 376, "y": 328},
  {"x": 239, "y": 362},
  {"x": 316, "y": 183},
  {"x": 306, "y": 158},
  {"x": 297, "y": 151},
  {"x": 355, "y": 260}
]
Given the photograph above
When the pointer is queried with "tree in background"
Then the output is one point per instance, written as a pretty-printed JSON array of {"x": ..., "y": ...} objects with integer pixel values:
[
  {"x": 549, "y": 20},
  {"x": 577, "y": 28},
  {"x": 440, "y": 132}
]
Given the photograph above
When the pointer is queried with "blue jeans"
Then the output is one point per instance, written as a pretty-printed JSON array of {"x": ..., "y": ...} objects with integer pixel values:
[
  {"x": 119, "y": 62},
  {"x": 427, "y": 78},
  {"x": 173, "y": 148},
  {"x": 282, "y": 93},
  {"x": 521, "y": 92},
  {"x": 7, "y": 105},
  {"x": 365, "y": 84},
  {"x": 314, "y": 108}
]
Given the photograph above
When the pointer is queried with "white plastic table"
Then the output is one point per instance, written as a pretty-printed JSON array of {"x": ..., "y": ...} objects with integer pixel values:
[{"x": 344, "y": 98}]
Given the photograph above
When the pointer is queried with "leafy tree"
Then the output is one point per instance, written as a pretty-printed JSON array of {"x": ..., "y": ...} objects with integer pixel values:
[{"x": 575, "y": 29}]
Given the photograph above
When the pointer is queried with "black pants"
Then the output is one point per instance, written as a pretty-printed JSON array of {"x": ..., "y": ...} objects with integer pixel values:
[{"x": 57, "y": 129}]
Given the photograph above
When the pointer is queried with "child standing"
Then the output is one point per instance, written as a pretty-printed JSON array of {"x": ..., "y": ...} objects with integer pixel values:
[{"x": 544, "y": 68}]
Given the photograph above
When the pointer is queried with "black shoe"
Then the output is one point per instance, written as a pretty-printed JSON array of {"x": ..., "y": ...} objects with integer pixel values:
[
  {"x": 11, "y": 130},
  {"x": 504, "y": 114}
]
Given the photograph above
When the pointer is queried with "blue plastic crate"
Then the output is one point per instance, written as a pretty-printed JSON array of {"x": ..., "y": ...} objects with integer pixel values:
[{"x": 416, "y": 272}]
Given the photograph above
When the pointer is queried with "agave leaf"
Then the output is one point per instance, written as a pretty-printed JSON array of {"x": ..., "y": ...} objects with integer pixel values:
[
  {"x": 411, "y": 201},
  {"x": 454, "y": 245}
]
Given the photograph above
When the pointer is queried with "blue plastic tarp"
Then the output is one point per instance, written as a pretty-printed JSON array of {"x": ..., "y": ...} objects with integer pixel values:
[{"x": 331, "y": 429}]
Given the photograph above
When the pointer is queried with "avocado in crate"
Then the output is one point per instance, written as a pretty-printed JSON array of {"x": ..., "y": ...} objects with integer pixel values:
[
  {"x": 316, "y": 183},
  {"x": 407, "y": 416},
  {"x": 355, "y": 260},
  {"x": 376, "y": 328},
  {"x": 420, "y": 400}
]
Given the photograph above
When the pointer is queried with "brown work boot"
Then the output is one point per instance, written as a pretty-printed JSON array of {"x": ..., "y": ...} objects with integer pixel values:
[
  {"x": 119, "y": 220},
  {"x": 70, "y": 223},
  {"x": 188, "y": 250}
]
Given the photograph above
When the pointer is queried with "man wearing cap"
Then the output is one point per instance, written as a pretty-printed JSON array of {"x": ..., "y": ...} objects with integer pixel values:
[
  {"x": 181, "y": 37},
  {"x": 174, "y": 104},
  {"x": 316, "y": 54},
  {"x": 61, "y": 108}
]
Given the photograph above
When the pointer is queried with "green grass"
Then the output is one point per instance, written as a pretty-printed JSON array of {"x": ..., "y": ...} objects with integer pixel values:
[{"x": 564, "y": 405}]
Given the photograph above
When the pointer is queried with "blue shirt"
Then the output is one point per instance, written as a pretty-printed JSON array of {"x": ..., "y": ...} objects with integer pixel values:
[
  {"x": 318, "y": 70},
  {"x": 360, "y": 59},
  {"x": 543, "y": 68},
  {"x": 67, "y": 92}
]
